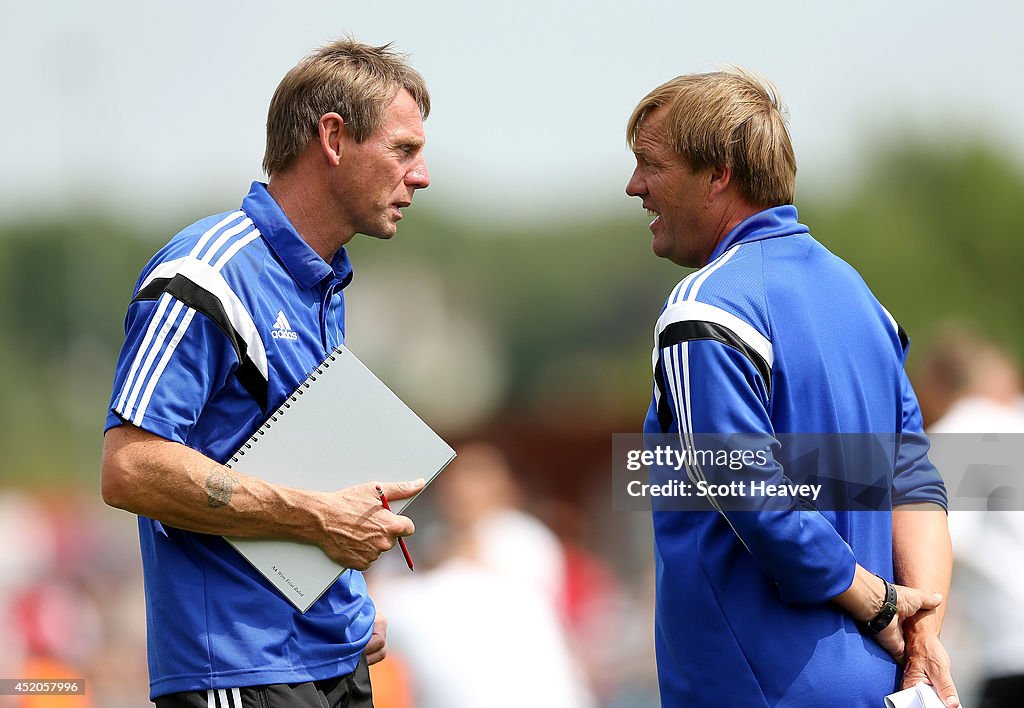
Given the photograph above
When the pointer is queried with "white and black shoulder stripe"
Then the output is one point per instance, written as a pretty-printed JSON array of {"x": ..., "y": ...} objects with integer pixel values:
[
  {"x": 183, "y": 287},
  {"x": 684, "y": 319}
]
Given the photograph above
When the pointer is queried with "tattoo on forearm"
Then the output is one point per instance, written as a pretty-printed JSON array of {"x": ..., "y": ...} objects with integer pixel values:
[{"x": 219, "y": 486}]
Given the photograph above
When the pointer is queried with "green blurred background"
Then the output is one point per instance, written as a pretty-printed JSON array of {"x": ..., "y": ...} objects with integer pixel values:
[{"x": 516, "y": 304}]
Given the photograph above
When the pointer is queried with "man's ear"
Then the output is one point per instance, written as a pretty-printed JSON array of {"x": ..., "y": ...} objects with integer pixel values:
[
  {"x": 331, "y": 131},
  {"x": 719, "y": 179}
]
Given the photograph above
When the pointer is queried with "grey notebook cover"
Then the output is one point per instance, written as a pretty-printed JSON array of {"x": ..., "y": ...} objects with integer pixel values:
[{"x": 341, "y": 427}]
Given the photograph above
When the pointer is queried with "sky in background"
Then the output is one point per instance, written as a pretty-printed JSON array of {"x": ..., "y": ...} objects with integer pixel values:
[{"x": 155, "y": 108}]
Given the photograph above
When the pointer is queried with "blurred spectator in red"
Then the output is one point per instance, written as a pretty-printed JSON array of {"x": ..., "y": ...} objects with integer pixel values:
[
  {"x": 52, "y": 626},
  {"x": 66, "y": 577}
]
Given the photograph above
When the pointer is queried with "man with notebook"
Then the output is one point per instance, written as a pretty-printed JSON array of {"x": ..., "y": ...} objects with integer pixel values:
[{"x": 226, "y": 320}]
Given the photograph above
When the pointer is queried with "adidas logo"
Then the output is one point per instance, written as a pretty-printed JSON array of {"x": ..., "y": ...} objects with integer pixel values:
[{"x": 283, "y": 330}]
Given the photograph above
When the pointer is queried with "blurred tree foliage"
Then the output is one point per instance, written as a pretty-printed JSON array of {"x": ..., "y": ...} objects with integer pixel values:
[
  {"x": 933, "y": 229},
  {"x": 936, "y": 232},
  {"x": 64, "y": 285}
]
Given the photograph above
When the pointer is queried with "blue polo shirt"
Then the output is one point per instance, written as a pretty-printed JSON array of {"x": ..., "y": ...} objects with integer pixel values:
[{"x": 226, "y": 320}]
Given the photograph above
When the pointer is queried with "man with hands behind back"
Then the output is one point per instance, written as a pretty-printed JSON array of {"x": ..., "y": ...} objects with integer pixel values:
[{"x": 777, "y": 603}]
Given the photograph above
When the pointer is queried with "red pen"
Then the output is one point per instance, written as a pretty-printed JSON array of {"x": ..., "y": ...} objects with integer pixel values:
[{"x": 401, "y": 541}]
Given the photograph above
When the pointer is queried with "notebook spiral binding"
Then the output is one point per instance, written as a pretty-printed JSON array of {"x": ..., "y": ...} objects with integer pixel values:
[{"x": 292, "y": 398}]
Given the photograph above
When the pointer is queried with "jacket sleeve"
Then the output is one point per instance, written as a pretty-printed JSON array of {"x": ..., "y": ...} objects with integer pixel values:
[
  {"x": 915, "y": 478},
  {"x": 718, "y": 398},
  {"x": 174, "y": 359}
]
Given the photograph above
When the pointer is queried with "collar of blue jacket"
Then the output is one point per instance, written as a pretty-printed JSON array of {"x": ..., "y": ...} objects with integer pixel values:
[
  {"x": 770, "y": 223},
  {"x": 302, "y": 262}
]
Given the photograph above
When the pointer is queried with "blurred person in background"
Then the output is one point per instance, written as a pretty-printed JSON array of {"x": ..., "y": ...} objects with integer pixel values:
[
  {"x": 482, "y": 627},
  {"x": 225, "y": 322},
  {"x": 61, "y": 629},
  {"x": 71, "y": 600},
  {"x": 50, "y": 624},
  {"x": 773, "y": 335},
  {"x": 607, "y": 624},
  {"x": 970, "y": 385}
]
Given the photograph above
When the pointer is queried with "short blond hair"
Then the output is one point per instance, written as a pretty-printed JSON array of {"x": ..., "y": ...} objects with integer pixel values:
[
  {"x": 731, "y": 117},
  {"x": 355, "y": 80}
]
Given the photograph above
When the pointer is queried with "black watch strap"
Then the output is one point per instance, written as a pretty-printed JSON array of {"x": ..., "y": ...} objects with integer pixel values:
[{"x": 880, "y": 621}]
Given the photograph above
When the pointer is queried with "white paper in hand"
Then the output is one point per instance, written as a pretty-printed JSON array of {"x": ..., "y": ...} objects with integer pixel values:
[{"x": 920, "y": 696}]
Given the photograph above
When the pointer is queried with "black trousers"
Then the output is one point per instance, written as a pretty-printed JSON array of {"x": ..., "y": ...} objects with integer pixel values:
[
  {"x": 1003, "y": 691},
  {"x": 351, "y": 691}
]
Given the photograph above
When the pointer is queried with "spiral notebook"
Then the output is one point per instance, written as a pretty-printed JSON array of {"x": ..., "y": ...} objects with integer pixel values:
[{"x": 341, "y": 427}]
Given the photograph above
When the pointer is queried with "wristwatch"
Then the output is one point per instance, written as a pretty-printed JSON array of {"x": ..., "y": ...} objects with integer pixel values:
[{"x": 880, "y": 621}]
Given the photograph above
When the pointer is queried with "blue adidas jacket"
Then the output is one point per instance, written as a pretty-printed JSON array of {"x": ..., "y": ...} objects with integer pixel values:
[{"x": 778, "y": 338}]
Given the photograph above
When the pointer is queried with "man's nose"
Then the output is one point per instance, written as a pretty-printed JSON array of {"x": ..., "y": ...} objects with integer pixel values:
[
  {"x": 418, "y": 177},
  {"x": 635, "y": 186}
]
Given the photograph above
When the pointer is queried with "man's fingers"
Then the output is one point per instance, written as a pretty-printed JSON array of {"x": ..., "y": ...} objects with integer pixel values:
[
  {"x": 929, "y": 663},
  {"x": 401, "y": 526},
  {"x": 377, "y": 648},
  {"x": 898, "y": 649},
  {"x": 375, "y": 644},
  {"x": 947, "y": 692},
  {"x": 930, "y": 600},
  {"x": 376, "y": 656},
  {"x": 910, "y": 601},
  {"x": 402, "y": 490},
  {"x": 945, "y": 689},
  {"x": 941, "y": 678},
  {"x": 398, "y": 525}
]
